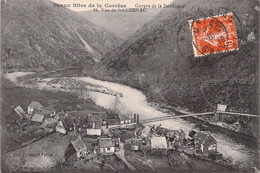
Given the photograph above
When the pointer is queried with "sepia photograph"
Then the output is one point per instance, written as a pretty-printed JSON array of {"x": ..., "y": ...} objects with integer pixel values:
[{"x": 129, "y": 86}]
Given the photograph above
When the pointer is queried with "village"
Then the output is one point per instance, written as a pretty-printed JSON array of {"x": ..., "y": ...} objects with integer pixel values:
[{"x": 109, "y": 133}]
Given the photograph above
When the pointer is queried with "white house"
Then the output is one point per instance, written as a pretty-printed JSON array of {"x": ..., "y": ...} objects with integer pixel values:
[
  {"x": 221, "y": 108},
  {"x": 80, "y": 148},
  {"x": 159, "y": 143},
  {"x": 60, "y": 128},
  {"x": 108, "y": 145}
]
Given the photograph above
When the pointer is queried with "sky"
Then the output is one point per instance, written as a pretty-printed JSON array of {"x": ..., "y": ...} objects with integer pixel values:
[{"x": 128, "y": 3}]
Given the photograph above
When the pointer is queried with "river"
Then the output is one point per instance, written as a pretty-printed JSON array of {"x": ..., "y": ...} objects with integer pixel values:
[{"x": 134, "y": 101}]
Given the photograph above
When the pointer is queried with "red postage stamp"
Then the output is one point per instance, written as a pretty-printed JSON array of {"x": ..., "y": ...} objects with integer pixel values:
[{"x": 213, "y": 35}]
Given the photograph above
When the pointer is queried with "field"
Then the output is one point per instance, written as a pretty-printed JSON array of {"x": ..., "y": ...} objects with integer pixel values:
[
  {"x": 40, "y": 155},
  {"x": 150, "y": 163}
]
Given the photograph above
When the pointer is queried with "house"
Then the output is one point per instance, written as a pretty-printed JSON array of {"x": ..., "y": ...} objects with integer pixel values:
[
  {"x": 145, "y": 132},
  {"x": 61, "y": 115},
  {"x": 49, "y": 125},
  {"x": 221, "y": 107},
  {"x": 160, "y": 130},
  {"x": 34, "y": 106},
  {"x": 13, "y": 118},
  {"x": 108, "y": 145},
  {"x": 94, "y": 123},
  {"x": 20, "y": 112},
  {"x": 49, "y": 111},
  {"x": 159, "y": 144},
  {"x": 204, "y": 143},
  {"x": 136, "y": 143},
  {"x": 38, "y": 117},
  {"x": 112, "y": 118},
  {"x": 124, "y": 119},
  {"x": 60, "y": 128},
  {"x": 64, "y": 125},
  {"x": 80, "y": 148},
  {"x": 68, "y": 124},
  {"x": 49, "y": 122},
  {"x": 172, "y": 135}
]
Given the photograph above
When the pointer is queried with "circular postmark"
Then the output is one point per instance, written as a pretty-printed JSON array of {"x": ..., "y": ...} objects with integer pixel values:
[
  {"x": 207, "y": 30},
  {"x": 212, "y": 34}
]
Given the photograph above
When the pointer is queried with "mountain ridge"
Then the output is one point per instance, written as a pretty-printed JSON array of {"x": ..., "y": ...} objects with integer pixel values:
[
  {"x": 121, "y": 24},
  {"x": 37, "y": 36}
]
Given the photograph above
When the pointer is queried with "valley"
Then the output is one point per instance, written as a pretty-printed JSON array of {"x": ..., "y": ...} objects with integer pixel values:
[
  {"x": 124, "y": 90},
  {"x": 133, "y": 101}
]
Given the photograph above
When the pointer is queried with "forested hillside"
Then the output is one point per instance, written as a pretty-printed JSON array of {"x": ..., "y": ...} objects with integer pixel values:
[
  {"x": 159, "y": 59},
  {"x": 37, "y": 36}
]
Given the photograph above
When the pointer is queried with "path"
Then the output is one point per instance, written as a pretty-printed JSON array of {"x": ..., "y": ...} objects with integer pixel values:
[{"x": 121, "y": 155}]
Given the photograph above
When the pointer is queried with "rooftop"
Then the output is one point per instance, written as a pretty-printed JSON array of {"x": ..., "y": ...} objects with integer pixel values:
[
  {"x": 158, "y": 142},
  {"x": 19, "y": 110},
  {"x": 78, "y": 144},
  {"x": 146, "y": 131},
  {"x": 106, "y": 142},
  {"x": 38, "y": 117},
  {"x": 67, "y": 123},
  {"x": 102, "y": 115},
  {"x": 35, "y": 105},
  {"x": 137, "y": 142},
  {"x": 94, "y": 118},
  {"x": 167, "y": 132},
  {"x": 50, "y": 121},
  {"x": 203, "y": 137}
]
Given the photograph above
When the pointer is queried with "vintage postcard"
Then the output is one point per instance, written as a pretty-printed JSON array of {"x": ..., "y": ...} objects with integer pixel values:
[{"x": 130, "y": 86}]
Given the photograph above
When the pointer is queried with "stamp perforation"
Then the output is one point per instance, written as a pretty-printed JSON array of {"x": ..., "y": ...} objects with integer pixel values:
[{"x": 195, "y": 41}]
